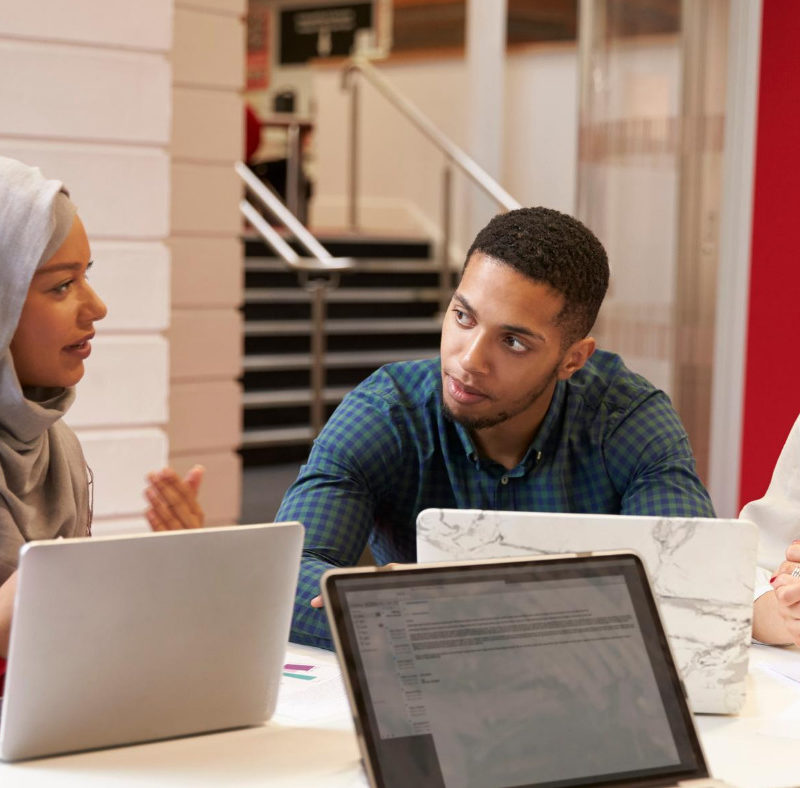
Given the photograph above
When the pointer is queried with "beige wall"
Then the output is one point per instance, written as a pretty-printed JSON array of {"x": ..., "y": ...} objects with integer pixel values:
[
  {"x": 539, "y": 153},
  {"x": 87, "y": 93},
  {"x": 205, "y": 326}
]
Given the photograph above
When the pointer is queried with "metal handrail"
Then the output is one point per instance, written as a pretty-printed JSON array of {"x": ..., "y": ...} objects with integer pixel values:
[
  {"x": 461, "y": 159},
  {"x": 321, "y": 259},
  {"x": 453, "y": 156},
  {"x": 318, "y": 274}
]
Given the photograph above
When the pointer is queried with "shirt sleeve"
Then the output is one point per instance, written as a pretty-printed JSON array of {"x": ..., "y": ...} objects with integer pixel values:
[
  {"x": 651, "y": 463},
  {"x": 336, "y": 496},
  {"x": 777, "y": 514}
]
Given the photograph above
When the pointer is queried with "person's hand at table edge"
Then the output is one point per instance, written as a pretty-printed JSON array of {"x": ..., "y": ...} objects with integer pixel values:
[{"x": 318, "y": 601}]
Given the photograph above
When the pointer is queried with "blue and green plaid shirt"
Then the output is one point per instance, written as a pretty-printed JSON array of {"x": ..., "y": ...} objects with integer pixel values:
[{"x": 610, "y": 443}]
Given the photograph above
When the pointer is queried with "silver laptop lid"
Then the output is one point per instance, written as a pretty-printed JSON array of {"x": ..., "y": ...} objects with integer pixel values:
[
  {"x": 702, "y": 571},
  {"x": 534, "y": 672},
  {"x": 122, "y": 639}
]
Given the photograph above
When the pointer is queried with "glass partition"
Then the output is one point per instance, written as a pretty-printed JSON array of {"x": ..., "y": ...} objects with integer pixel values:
[{"x": 651, "y": 113}]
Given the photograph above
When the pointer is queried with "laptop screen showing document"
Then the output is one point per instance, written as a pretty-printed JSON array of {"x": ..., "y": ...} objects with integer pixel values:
[{"x": 535, "y": 672}]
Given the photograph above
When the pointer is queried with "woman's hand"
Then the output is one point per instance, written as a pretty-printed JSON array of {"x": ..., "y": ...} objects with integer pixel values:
[
  {"x": 7, "y": 592},
  {"x": 787, "y": 592},
  {"x": 173, "y": 501}
]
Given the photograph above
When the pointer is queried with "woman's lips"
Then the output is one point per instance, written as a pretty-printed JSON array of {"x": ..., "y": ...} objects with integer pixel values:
[
  {"x": 462, "y": 393},
  {"x": 80, "y": 349}
]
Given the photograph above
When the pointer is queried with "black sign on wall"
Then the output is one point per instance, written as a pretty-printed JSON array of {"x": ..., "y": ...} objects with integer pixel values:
[{"x": 321, "y": 31}]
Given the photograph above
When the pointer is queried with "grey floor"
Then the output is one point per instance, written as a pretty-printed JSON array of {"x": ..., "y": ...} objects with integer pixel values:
[{"x": 262, "y": 490}]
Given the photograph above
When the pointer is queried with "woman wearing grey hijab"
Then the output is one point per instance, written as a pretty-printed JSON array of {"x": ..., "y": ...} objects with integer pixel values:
[{"x": 47, "y": 315}]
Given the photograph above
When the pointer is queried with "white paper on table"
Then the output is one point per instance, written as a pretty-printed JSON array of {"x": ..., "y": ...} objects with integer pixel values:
[
  {"x": 311, "y": 695},
  {"x": 784, "y": 664},
  {"x": 784, "y": 661}
]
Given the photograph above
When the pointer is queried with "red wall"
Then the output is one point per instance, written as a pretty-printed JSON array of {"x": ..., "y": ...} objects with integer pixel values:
[{"x": 772, "y": 371}]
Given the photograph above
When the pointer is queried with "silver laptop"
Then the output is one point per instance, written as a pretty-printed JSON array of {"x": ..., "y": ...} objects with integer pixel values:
[
  {"x": 702, "y": 572},
  {"x": 124, "y": 639},
  {"x": 548, "y": 671}
]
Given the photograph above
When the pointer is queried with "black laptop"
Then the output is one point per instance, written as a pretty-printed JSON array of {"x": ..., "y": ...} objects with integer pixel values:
[{"x": 550, "y": 671}]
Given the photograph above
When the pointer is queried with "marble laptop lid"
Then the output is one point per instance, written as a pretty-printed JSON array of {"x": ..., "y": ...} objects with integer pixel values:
[
  {"x": 702, "y": 571},
  {"x": 122, "y": 639},
  {"x": 544, "y": 672}
]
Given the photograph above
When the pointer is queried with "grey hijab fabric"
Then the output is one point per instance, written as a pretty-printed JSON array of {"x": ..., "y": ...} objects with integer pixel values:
[{"x": 43, "y": 475}]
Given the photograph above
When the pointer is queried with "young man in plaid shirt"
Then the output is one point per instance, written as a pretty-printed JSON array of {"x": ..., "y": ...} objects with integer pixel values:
[{"x": 520, "y": 412}]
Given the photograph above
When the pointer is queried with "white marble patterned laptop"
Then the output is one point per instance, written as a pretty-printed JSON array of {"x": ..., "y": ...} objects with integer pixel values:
[{"x": 702, "y": 571}]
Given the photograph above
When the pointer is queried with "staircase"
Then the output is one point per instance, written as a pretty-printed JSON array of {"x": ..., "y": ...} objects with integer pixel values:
[{"x": 385, "y": 310}]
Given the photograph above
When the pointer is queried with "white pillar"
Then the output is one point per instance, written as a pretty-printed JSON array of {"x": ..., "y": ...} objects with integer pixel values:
[
  {"x": 741, "y": 106},
  {"x": 486, "y": 53}
]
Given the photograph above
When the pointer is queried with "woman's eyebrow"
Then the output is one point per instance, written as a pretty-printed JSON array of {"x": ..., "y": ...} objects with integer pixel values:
[{"x": 58, "y": 267}]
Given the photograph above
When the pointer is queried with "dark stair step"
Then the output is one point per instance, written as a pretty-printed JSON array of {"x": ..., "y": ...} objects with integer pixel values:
[
  {"x": 340, "y": 360},
  {"x": 391, "y": 273},
  {"x": 285, "y": 398},
  {"x": 416, "y": 325},
  {"x": 365, "y": 265},
  {"x": 351, "y": 246},
  {"x": 264, "y": 380},
  {"x": 370, "y": 295},
  {"x": 336, "y": 343},
  {"x": 277, "y": 436},
  {"x": 274, "y": 418},
  {"x": 292, "y": 310}
]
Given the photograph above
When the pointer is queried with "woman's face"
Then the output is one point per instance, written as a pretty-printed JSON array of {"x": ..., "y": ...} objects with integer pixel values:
[{"x": 57, "y": 321}]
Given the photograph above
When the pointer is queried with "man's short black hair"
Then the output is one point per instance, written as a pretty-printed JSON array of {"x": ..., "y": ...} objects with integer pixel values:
[{"x": 557, "y": 250}]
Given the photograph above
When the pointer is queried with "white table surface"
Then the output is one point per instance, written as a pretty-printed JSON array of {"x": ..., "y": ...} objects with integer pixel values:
[{"x": 310, "y": 742}]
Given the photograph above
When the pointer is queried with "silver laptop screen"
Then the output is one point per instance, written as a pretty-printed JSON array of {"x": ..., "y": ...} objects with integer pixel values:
[{"x": 542, "y": 674}]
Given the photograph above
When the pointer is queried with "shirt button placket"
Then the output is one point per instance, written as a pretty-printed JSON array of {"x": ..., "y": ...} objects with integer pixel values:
[{"x": 503, "y": 493}]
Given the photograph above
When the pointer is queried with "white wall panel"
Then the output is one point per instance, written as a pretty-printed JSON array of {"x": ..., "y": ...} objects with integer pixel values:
[
  {"x": 120, "y": 461},
  {"x": 133, "y": 278},
  {"x": 208, "y": 125},
  {"x": 206, "y": 199},
  {"x": 231, "y": 7},
  {"x": 71, "y": 82},
  {"x": 205, "y": 344},
  {"x": 105, "y": 526},
  {"x": 400, "y": 169},
  {"x": 208, "y": 49},
  {"x": 145, "y": 24},
  {"x": 206, "y": 271},
  {"x": 204, "y": 415},
  {"x": 205, "y": 333},
  {"x": 126, "y": 382},
  {"x": 541, "y": 127},
  {"x": 120, "y": 191},
  {"x": 399, "y": 165},
  {"x": 90, "y": 102}
]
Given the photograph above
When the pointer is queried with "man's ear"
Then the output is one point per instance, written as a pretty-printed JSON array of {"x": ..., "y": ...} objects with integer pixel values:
[{"x": 576, "y": 356}]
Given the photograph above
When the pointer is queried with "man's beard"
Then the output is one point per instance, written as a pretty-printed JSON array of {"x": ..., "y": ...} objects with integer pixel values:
[{"x": 504, "y": 415}]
